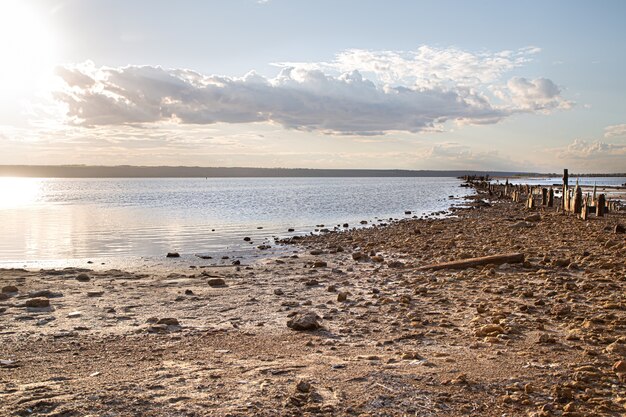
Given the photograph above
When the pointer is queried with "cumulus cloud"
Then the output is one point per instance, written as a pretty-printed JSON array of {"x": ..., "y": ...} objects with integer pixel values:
[
  {"x": 540, "y": 94},
  {"x": 582, "y": 149},
  {"x": 426, "y": 66},
  {"x": 414, "y": 93},
  {"x": 615, "y": 131}
]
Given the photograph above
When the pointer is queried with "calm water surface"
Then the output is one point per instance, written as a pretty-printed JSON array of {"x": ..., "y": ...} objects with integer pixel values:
[{"x": 82, "y": 218}]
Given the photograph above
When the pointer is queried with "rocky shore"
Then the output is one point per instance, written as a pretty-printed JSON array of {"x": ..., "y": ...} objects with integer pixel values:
[{"x": 354, "y": 323}]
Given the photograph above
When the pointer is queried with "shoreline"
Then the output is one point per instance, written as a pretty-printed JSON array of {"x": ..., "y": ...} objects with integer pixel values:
[{"x": 542, "y": 337}]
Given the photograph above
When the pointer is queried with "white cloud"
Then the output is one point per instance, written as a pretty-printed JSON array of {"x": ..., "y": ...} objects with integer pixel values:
[
  {"x": 582, "y": 149},
  {"x": 425, "y": 67},
  {"x": 413, "y": 92},
  {"x": 540, "y": 94},
  {"x": 615, "y": 131}
]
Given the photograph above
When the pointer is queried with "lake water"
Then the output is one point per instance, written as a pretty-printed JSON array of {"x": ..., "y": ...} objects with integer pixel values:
[{"x": 45, "y": 219}]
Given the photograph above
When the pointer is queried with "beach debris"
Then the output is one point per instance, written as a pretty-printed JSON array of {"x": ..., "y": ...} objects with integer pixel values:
[
  {"x": 306, "y": 320},
  {"x": 95, "y": 293},
  {"x": 508, "y": 258},
  {"x": 172, "y": 255},
  {"x": 74, "y": 315},
  {"x": 619, "y": 229},
  {"x": 320, "y": 264}
]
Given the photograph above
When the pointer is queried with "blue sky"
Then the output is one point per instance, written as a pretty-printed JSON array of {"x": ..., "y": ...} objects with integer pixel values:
[{"x": 355, "y": 84}]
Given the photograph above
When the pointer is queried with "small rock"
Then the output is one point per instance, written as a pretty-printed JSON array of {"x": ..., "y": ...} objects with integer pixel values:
[
  {"x": 9, "y": 289},
  {"x": 522, "y": 225},
  {"x": 359, "y": 256},
  {"x": 172, "y": 255},
  {"x": 216, "y": 282},
  {"x": 83, "y": 278},
  {"x": 620, "y": 229},
  {"x": 37, "y": 303},
  {"x": 320, "y": 264},
  {"x": 74, "y": 315},
  {"x": 489, "y": 330},
  {"x": 342, "y": 296},
  {"x": 303, "y": 386},
  {"x": 247, "y": 239},
  {"x": 307, "y": 320},
  {"x": 95, "y": 293},
  {"x": 169, "y": 321},
  {"x": 278, "y": 291},
  {"x": 533, "y": 218},
  {"x": 395, "y": 264},
  {"x": 619, "y": 366}
]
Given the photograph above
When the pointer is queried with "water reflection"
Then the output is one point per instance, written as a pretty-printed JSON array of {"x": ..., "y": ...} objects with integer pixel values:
[{"x": 19, "y": 192}]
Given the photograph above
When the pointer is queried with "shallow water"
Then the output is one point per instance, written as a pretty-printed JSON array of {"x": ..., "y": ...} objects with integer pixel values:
[{"x": 45, "y": 219}]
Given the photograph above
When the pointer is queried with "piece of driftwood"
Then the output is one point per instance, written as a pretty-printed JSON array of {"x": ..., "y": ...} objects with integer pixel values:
[{"x": 507, "y": 258}]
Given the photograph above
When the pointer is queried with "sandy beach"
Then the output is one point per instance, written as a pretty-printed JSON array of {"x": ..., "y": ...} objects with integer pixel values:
[{"x": 345, "y": 323}]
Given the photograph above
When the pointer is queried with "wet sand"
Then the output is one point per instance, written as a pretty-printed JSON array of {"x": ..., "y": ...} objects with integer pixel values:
[{"x": 543, "y": 337}]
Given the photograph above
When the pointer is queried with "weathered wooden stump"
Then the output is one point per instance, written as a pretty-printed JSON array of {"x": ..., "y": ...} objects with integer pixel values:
[
  {"x": 585, "y": 208},
  {"x": 551, "y": 198},
  {"x": 600, "y": 205}
]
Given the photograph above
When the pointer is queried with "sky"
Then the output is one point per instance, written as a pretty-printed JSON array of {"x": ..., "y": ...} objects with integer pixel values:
[{"x": 484, "y": 85}]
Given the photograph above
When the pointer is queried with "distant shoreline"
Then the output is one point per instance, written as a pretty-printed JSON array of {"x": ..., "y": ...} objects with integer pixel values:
[{"x": 127, "y": 171}]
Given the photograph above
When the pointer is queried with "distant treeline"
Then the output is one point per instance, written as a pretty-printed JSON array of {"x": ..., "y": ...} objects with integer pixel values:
[{"x": 127, "y": 171}]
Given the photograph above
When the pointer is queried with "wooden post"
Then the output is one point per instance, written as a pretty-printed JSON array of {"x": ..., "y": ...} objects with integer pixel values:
[
  {"x": 593, "y": 201},
  {"x": 584, "y": 209},
  {"x": 565, "y": 184},
  {"x": 544, "y": 197},
  {"x": 530, "y": 202},
  {"x": 600, "y": 206},
  {"x": 551, "y": 198},
  {"x": 578, "y": 200}
]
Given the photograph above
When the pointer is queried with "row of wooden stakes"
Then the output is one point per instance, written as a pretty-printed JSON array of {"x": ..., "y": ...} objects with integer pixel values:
[{"x": 571, "y": 201}]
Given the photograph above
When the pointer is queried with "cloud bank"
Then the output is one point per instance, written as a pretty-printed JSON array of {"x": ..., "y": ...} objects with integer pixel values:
[{"x": 413, "y": 93}]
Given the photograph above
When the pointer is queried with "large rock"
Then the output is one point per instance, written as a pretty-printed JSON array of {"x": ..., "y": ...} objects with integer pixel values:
[{"x": 307, "y": 320}]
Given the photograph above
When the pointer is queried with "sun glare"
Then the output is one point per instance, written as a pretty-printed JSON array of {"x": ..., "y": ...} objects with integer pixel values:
[
  {"x": 19, "y": 192},
  {"x": 27, "y": 48}
]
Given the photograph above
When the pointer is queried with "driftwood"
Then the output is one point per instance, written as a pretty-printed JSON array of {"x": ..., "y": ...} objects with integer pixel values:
[{"x": 508, "y": 258}]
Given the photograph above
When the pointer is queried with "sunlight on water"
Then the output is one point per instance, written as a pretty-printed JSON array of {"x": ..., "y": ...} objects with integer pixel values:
[
  {"x": 81, "y": 218},
  {"x": 19, "y": 192}
]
